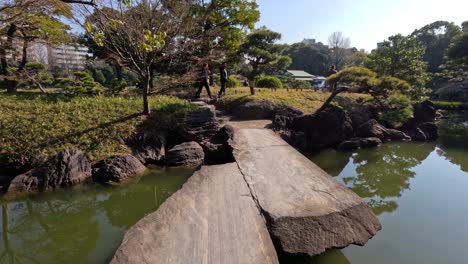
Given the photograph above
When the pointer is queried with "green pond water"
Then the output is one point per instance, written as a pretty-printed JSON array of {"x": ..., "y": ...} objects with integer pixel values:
[{"x": 418, "y": 191}]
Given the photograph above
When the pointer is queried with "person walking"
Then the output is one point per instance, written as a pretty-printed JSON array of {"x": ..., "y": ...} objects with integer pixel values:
[
  {"x": 204, "y": 80},
  {"x": 332, "y": 85},
  {"x": 224, "y": 79}
]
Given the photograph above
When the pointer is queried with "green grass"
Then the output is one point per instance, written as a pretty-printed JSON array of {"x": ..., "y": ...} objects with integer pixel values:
[
  {"x": 447, "y": 105},
  {"x": 33, "y": 124},
  {"x": 306, "y": 100}
]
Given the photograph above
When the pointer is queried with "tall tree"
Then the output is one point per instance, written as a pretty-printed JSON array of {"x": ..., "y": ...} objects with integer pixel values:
[
  {"x": 263, "y": 54},
  {"x": 455, "y": 68},
  {"x": 338, "y": 45},
  {"x": 29, "y": 21},
  {"x": 401, "y": 57},
  {"x": 312, "y": 58},
  {"x": 436, "y": 38}
]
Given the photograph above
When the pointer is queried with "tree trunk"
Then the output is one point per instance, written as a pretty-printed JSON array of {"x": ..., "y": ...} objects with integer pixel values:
[
  {"x": 330, "y": 98},
  {"x": 146, "y": 88},
  {"x": 252, "y": 87},
  {"x": 10, "y": 85}
]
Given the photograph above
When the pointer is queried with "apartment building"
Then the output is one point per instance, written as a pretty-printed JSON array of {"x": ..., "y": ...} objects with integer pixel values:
[{"x": 68, "y": 58}]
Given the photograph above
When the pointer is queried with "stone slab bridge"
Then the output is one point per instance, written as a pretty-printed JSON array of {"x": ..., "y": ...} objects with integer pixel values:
[{"x": 271, "y": 199}]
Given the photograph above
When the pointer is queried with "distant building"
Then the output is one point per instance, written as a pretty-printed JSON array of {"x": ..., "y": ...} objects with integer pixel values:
[
  {"x": 300, "y": 75},
  {"x": 380, "y": 45},
  {"x": 68, "y": 58},
  {"x": 316, "y": 81},
  {"x": 309, "y": 41}
]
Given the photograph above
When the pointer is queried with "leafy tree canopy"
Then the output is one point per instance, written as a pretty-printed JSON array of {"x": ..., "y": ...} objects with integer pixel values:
[
  {"x": 263, "y": 54},
  {"x": 436, "y": 38},
  {"x": 401, "y": 57}
]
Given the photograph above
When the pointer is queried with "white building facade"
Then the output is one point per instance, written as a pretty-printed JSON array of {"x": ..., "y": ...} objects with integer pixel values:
[{"x": 68, "y": 58}]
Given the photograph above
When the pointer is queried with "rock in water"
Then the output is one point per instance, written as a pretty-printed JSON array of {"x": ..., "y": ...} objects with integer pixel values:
[
  {"x": 185, "y": 154},
  {"x": 373, "y": 129},
  {"x": 307, "y": 210},
  {"x": 212, "y": 219},
  {"x": 65, "y": 169},
  {"x": 324, "y": 129},
  {"x": 356, "y": 143},
  {"x": 148, "y": 147},
  {"x": 284, "y": 118},
  {"x": 117, "y": 169},
  {"x": 255, "y": 110}
]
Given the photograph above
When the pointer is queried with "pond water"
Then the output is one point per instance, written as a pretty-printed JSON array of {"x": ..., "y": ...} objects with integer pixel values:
[
  {"x": 418, "y": 191},
  {"x": 82, "y": 225}
]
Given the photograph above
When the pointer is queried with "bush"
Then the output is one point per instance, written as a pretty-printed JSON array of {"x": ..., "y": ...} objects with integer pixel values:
[
  {"x": 298, "y": 84},
  {"x": 84, "y": 84},
  {"x": 269, "y": 82},
  {"x": 233, "y": 82}
]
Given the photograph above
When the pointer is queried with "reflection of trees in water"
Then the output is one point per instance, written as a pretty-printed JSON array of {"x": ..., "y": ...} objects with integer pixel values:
[
  {"x": 63, "y": 226},
  {"x": 51, "y": 231},
  {"x": 453, "y": 142},
  {"x": 384, "y": 173}
]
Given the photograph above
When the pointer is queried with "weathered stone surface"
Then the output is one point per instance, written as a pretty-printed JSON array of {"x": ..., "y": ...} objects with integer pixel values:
[
  {"x": 200, "y": 125},
  {"x": 324, "y": 129},
  {"x": 212, "y": 219},
  {"x": 255, "y": 110},
  {"x": 65, "y": 169},
  {"x": 284, "y": 118},
  {"x": 424, "y": 112},
  {"x": 218, "y": 150},
  {"x": 308, "y": 211},
  {"x": 360, "y": 114},
  {"x": 185, "y": 154},
  {"x": 453, "y": 92},
  {"x": 117, "y": 169},
  {"x": 424, "y": 132},
  {"x": 356, "y": 143},
  {"x": 373, "y": 129},
  {"x": 148, "y": 147}
]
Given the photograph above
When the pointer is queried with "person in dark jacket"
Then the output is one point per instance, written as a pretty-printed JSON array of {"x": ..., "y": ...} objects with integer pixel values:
[
  {"x": 332, "y": 85},
  {"x": 224, "y": 79},
  {"x": 204, "y": 80}
]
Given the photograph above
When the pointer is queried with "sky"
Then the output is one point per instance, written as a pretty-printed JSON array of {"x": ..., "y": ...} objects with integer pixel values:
[{"x": 365, "y": 22}]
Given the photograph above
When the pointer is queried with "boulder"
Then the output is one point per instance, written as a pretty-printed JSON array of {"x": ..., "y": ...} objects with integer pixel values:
[
  {"x": 453, "y": 92},
  {"x": 255, "y": 110},
  {"x": 373, "y": 129},
  {"x": 284, "y": 118},
  {"x": 117, "y": 169},
  {"x": 324, "y": 129},
  {"x": 359, "y": 115},
  {"x": 356, "y": 143},
  {"x": 424, "y": 112},
  {"x": 148, "y": 147},
  {"x": 65, "y": 169},
  {"x": 218, "y": 150},
  {"x": 424, "y": 132},
  {"x": 185, "y": 154},
  {"x": 200, "y": 125}
]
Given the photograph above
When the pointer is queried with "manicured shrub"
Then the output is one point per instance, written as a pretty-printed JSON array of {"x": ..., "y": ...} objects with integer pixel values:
[
  {"x": 269, "y": 82},
  {"x": 233, "y": 82}
]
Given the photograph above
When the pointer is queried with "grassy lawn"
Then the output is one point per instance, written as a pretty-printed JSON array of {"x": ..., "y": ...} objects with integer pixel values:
[
  {"x": 33, "y": 124},
  {"x": 306, "y": 100}
]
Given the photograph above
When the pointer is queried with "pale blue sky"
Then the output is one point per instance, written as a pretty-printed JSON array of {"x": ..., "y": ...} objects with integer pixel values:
[{"x": 366, "y": 22}]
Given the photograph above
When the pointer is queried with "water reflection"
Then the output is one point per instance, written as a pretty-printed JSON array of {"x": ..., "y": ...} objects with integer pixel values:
[
  {"x": 453, "y": 141},
  {"x": 69, "y": 226}
]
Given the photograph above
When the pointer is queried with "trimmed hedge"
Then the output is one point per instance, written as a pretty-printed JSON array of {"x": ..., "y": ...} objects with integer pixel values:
[{"x": 269, "y": 82}]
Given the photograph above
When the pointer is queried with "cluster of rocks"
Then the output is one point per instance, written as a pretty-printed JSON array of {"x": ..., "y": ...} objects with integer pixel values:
[
  {"x": 352, "y": 128},
  {"x": 200, "y": 140}
]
